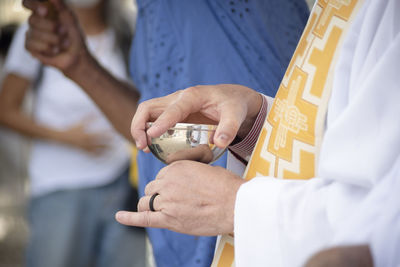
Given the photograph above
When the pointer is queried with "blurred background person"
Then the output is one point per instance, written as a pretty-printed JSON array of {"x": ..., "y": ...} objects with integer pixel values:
[{"x": 78, "y": 165}]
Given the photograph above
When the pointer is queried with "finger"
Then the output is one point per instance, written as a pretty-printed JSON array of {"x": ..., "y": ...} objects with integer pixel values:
[
  {"x": 138, "y": 125},
  {"x": 152, "y": 188},
  {"x": 59, "y": 5},
  {"x": 96, "y": 150},
  {"x": 163, "y": 172},
  {"x": 89, "y": 118},
  {"x": 34, "y": 45},
  {"x": 187, "y": 102},
  {"x": 30, "y": 4},
  {"x": 46, "y": 60},
  {"x": 51, "y": 39},
  {"x": 144, "y": 203},
  {"x": 42, "y": 24},
  {"x": 67, "y": 18},
  {"x": 231, "y": 118},
  {"x": 142, "y": 219},
  {"x": 36, "y": 6}
]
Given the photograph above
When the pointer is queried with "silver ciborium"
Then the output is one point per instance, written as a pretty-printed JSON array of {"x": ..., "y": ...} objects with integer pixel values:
[{"x": 186, "y": 141}]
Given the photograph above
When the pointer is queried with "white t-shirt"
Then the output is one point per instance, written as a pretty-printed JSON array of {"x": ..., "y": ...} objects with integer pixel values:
[{"x": 61, "y": 104}]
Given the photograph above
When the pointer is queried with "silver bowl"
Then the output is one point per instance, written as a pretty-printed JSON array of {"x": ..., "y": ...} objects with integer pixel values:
[{"x": 186, "y": 141}]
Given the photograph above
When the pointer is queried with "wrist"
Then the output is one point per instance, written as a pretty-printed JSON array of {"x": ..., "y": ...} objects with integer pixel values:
[
  {"x": 230, "y": 217},
  {"x": 82, "y": 65},
  {"x": 256, "y": 104},
  {"x": 56, "y": 136}
]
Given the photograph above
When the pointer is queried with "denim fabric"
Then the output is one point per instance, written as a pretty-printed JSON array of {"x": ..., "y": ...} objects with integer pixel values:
[
  {"x": 182, "y": 43},
  {"x": 78, "y": 228}
]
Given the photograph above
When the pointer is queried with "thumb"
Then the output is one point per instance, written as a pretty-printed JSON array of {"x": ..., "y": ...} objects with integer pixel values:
[
  {"x": 59, "y": 5},
  {"x": 230, "y": 120}
]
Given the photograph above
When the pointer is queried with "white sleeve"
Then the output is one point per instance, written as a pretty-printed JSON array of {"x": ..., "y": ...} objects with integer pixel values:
[
  {"x": 385, "y": 240},
  {"x": 19, "y": 61},
  {"x": 376, "y": 222},
  {"x": 283, "y": 222}
]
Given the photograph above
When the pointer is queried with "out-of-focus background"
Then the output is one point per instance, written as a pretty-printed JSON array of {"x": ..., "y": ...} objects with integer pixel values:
[{"x": 14, "y": 152}]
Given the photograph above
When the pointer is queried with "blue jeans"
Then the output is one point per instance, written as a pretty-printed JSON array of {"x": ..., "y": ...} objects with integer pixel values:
[{"x": 77, "y": 228}]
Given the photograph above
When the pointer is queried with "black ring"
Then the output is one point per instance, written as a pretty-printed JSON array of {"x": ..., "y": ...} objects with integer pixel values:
[{"x": 151, "y": 202}]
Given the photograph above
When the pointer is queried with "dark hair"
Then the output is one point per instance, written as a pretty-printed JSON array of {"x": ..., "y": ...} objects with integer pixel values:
[{"x": 6, "y": 35}]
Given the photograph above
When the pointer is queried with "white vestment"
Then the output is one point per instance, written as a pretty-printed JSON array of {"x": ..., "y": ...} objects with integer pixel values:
[{"x": 282, "y": 222}]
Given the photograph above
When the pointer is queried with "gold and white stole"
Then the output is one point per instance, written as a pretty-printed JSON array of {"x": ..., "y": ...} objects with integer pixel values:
[{"x": 290, "y": 141}]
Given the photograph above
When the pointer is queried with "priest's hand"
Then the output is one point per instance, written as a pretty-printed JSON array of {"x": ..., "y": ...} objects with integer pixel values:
[
  {"x": 345, "y": 256},
  {"x": 194, "y": 198},
  {"x": 233, "y": 107}
]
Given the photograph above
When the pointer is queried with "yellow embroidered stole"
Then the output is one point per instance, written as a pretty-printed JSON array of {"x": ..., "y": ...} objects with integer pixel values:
[{"x": 291, "y": 137}]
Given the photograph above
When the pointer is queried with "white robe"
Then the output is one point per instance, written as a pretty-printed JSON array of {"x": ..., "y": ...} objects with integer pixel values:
[{"x": 355, "y": 198}]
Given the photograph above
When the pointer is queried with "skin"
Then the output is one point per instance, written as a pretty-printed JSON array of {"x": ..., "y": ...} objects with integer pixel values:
[
  {"x": 233, "y": 107},
  {"x": 58, "y": 41},
  {"x": 194, "y": 198},
  {"x": 346, "y": 256}
]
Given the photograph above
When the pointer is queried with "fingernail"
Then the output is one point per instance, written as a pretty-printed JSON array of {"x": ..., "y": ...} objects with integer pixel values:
[
  {"x": 120, "y": 215},
  {"x": 138, "y": 144},
  {"x": 223, "y": 138}
]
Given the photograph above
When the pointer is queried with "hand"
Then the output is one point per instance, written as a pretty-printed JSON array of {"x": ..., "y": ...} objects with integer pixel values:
[
  {"x": 233, "y": 107},
  {"x": 346, "y": 256},
  {"x": 77, "y": 136},
  {"x": 194, "y": 198},
  {"x": 55, "y": 40}
]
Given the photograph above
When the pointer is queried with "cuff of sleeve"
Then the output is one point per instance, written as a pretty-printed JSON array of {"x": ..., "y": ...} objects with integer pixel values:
[
  {"x": 255, "y": 223},
  {"x": 245, "y": 147}
]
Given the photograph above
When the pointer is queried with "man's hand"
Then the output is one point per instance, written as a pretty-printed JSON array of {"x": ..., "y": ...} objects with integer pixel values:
[
  {"x": 345, "y": 256},
  {"x": 55, "y": 40},
  {"x": 233, "y": 107},
  {"x": 194, "y": 198}
]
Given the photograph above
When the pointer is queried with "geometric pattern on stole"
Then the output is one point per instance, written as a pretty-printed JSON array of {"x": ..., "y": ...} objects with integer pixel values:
[{"x": 291, "y": 137}]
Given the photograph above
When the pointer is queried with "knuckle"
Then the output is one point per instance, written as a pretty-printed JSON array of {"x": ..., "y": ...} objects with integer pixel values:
[
  {"x": 192, "y": 90},
  {"x": 162, "y": 173},
  {"x": 177, "y": 164},
  {"x": 148, "y": 188},
  {"x": 142, "y": 106},
  {"x": 141, "y": 204},
  {"x": 147, "y": 218}
]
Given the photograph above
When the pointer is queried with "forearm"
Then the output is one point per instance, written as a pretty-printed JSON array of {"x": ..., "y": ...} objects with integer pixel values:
[
  {"x": 117, "y": 99},
  {"x": 12, "y": 95},
  {"x": 25, "y": 125}
]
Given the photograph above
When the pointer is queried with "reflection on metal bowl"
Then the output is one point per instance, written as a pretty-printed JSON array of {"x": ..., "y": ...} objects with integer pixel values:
[{"x": 186, "y": 141}]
